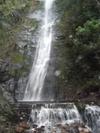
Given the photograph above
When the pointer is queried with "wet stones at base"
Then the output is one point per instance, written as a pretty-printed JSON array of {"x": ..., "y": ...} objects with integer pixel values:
[
  {"x": 37, "y": 130},
  {"x": 84, "y": 130},
  {"x": 22, "y": 127},
  {"x": 73, "y": 128}
]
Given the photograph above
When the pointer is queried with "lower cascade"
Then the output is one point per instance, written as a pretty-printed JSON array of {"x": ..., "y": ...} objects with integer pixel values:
[
  {"x": 92, "y": 117},
  {"x": 64, "y": 118}
]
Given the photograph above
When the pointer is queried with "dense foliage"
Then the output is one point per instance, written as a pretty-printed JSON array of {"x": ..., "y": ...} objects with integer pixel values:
[
  {"x": 80, "y": 25},
  {"x": 10, "y": 14},
  {"x": 12, "y": 20}
]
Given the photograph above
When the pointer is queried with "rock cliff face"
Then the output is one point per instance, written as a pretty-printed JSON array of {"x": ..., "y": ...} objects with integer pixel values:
[
  {"x": 17, "y": 50},
  {"x": 17, "y": 46}
]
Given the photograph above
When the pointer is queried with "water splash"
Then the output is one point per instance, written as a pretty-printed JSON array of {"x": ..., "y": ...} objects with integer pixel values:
[
  {"x": 49, "y": 115},
  {"x": 37, "y": 76},
  {"x": 92, "y": 117}
]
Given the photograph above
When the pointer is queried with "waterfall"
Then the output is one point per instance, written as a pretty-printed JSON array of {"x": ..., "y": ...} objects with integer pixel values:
[
  {"x": 51, "y": 115},
  {"x": 92, "y": 117},
  {"x": 58, "y": 115},
  {"x": 37, "y": 76}
]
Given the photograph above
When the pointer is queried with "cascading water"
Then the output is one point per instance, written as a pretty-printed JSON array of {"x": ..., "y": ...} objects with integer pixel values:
[
  {"x": 51, "y": 115},
  {"x": 92, "y": 117},
  {"x": 56, "y": 115},
  {"x": 39, "y": 69}
]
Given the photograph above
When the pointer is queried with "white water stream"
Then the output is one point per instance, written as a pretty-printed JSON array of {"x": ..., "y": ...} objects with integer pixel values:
[
  {"x": 37, "y": 76},
  {"x": 92, "y": 117},
  {"x": 51, "y": 115}
]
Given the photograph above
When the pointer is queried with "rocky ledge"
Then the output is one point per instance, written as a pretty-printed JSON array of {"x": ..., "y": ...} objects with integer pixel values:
[{"x": 24, "y": 127}]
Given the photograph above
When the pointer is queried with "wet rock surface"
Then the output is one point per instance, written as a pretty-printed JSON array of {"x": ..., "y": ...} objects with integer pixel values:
[
  {"x": 21, "y": 127},
  {"x": 73, "y": 128},
  {"x": 61, "y": 128},
  {"x": 15, "y": 66},
  {"x": 16, "y": 54},
  {"x": 61, "y": 118}
]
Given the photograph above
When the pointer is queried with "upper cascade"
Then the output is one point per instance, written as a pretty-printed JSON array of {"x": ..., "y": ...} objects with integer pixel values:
[{"x": 34, "y": 88}]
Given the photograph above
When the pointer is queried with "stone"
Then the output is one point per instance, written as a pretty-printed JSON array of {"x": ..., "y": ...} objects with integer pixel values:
[
  {"x": 34, "y": 126},
  {"x": 59, "y": 125},
  {"x": 76, "y": 127},
  {"x": 19, "y": 129},
  {"x": 84, "y": 130},
  {"x": 24, "y": 125},
  {"x": 34, "y": 130},
  {"x": 40, "y": 130},
  {"x": 53, "y": 130}
]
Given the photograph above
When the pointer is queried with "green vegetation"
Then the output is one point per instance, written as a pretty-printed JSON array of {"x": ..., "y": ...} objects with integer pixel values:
[
  {"x": 12, "y": 21},
  {"x": 80, "y": 28},
  {"x": 12, "y": 13}
]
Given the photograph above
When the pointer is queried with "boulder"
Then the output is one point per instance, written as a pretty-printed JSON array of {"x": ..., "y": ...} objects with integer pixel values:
[
  {"x": 84, "y": 130},
  {"x": 24, "y": 125},
  {"x": 19, "y": 129},
  {"x": 76, "y": 127},
  {"x": 34, "y": 126}
]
